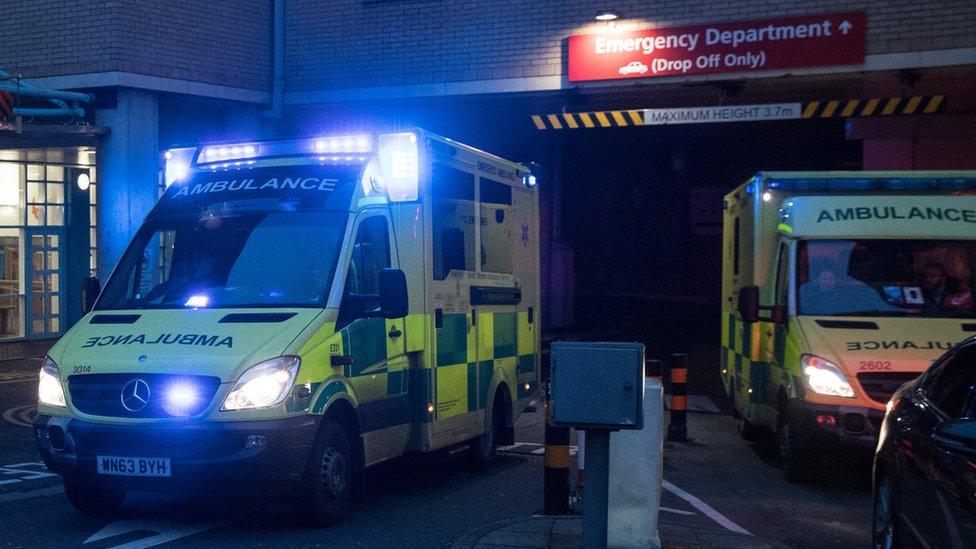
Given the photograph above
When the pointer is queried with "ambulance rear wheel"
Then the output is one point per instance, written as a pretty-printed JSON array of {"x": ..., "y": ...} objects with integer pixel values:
[
  {"x": 329, "y": 479},
  {"x": 92, "y": 500},
  {"x": 482, "y": 450}
]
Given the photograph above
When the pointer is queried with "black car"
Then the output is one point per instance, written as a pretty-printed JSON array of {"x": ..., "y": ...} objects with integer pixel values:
[{"x": 925, "y": 465}]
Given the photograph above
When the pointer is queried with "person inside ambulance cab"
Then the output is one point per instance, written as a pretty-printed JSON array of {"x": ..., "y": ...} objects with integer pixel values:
[
  {"x": 830, "y": 285},
  {"x": 944, "y": 293}
]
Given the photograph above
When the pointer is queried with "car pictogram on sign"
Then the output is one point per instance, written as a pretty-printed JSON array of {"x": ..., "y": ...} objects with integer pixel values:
[{"x": 634, "y": 67}]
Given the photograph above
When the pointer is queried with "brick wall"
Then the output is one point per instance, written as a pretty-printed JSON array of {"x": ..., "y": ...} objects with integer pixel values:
[
  {"x": 364, "y": 43},
  {"x": 54, "y": 37},
  {"x": 221, "y": 42}
]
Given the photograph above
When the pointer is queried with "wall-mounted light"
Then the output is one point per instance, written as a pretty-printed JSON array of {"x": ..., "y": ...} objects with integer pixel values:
[
  {"x": 9, "y": 184},
  {"x": 83, "y": 181},
  {"x": 607, "y": 17}
]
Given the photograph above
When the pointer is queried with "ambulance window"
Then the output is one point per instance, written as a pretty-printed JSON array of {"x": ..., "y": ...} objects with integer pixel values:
[
  {"x": 453, "y": 220},
  {"x": 497, "y": 226},
  {"x": 370, "y": 254},
  {"x": 735, "y": 248},
  {"x": 782, "y": 275}
]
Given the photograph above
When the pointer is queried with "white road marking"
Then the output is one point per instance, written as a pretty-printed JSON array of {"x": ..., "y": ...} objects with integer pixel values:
[
  {"x": 17, "y": 377},
  {"x": 21, "y": 415},
  {"x": 676, "y": 511},
  {"x": 164, "y": 530},
  {"x": 18, "y": 496},
  {"x": 28, "y": 469},
  {"x": 512, "y": 447},
  {"x": 705, "y": 508},
  {"x": 536, "y": 448},
  {"x": 24, "y": 471}
]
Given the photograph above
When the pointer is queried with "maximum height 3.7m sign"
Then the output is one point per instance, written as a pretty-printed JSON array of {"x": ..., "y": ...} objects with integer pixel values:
[{"x": 744, "y": 46}]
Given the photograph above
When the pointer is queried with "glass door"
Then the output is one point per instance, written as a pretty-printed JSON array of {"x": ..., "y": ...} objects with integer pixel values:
[{"x": 44, "y": 293}]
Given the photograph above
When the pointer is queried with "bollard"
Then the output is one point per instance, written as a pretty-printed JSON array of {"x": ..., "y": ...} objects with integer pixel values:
[
  {"x": 636, "y": 464},
  {"x": 556, "y": 475},
  {"x": 678, "y": 427},
  {"x": 654, "y": 369},
  {"x": 556, "y": 480}
]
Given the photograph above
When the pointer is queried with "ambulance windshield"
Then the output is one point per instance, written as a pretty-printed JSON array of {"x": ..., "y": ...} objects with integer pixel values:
[
  {"x": 240, "y": 245},
  {"x": 886, "y": 278}
]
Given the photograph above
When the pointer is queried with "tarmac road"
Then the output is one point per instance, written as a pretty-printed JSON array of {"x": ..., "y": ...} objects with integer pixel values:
[{"x": 716, "y": 480}]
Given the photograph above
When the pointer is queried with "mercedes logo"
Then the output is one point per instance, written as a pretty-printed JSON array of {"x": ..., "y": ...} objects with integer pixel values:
[{"x": 135, "y": 395}]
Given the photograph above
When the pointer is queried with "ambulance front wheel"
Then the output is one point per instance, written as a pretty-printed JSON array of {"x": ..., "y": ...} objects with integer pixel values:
[
  {"x": 92, "y": 500},
  {"x": 329, "y": 478},
  {"x": 794, "y": 450}
]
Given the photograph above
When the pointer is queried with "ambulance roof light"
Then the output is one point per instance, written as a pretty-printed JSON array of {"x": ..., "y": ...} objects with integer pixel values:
[
  {"x": 872, "y": 184},
  {"x": 225, "y": 153},
  {"x": 400, "y": 166},
  {"x": 340, "y": 147},
  {"x": 176, "y": 164}
]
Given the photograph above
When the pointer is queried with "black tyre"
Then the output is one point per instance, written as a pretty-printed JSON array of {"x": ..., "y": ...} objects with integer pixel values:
[
  {"x": 731, "y": 392},
  {"x": 885, "y": 531},
  {"x": 92, "y": 500},
  {"x": 328, "y": 477},
  {"x": 794, "y": 451},
  {"x": 747, "y": 429},
  {"x": 483, "y": 449}
]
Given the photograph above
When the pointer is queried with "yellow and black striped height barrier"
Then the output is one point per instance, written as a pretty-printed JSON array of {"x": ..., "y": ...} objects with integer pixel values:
[
  {"x": 678, "y": 427},
  {"x": 856, "y": 108},
  {"x": 809, "y": 110},
  {"x": 556, "y": 479},
  {"x": 599, "y": 119}
]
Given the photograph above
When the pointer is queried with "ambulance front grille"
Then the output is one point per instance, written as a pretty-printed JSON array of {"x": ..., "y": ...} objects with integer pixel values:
[
  {"x": 168, "y": 395},
  {"x": 880, "y": 386}
]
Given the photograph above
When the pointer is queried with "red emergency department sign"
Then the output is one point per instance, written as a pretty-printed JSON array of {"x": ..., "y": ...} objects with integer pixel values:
[{"x": 745, "y": 46}]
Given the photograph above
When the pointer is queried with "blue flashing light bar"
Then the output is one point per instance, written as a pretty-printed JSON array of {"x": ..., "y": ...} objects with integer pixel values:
[
  {"x": 854, "y": 184},
  {"x": 349, "y": 147}
]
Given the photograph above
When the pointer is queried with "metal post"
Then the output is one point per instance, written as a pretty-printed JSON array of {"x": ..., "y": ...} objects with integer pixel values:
[
  {"x": 678, "y": 427},
  {"x": 597, "y": 489}
]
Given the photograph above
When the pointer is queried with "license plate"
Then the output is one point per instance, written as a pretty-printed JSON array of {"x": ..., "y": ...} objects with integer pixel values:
[{"x": 133, "y": 467}]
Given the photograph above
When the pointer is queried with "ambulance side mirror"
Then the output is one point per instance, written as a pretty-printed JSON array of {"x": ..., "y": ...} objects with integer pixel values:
[
  {"x": 90, "y": 289},
  {"x": 393, "y": 293},
  {"x": 777, "y": 314},
  {"x": 748, "y": 305}
]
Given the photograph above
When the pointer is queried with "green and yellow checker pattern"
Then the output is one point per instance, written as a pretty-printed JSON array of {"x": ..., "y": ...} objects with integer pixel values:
[
  {"x": 389, "y": 390},
  {"x": 741, "y": 358},
  {"x": 377, "y": 380},
  {"x": 755, "y": 364},
  {"x": 469, "y": 352}
]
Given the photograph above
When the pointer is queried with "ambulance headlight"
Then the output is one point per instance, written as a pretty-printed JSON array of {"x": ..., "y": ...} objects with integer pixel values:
[
  {"x": 49, "y": 389},
  {"x": 824, "y": 377},
  {"x": 263, "y": 385}
]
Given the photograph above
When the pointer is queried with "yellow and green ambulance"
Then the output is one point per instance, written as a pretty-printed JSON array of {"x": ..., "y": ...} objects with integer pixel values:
[
  {"x": 292, "y": 312},
  {"x": 838, "y": 287}
]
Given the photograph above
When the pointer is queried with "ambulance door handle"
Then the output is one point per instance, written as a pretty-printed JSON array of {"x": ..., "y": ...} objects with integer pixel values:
[{"x": 394, "y": 333}]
